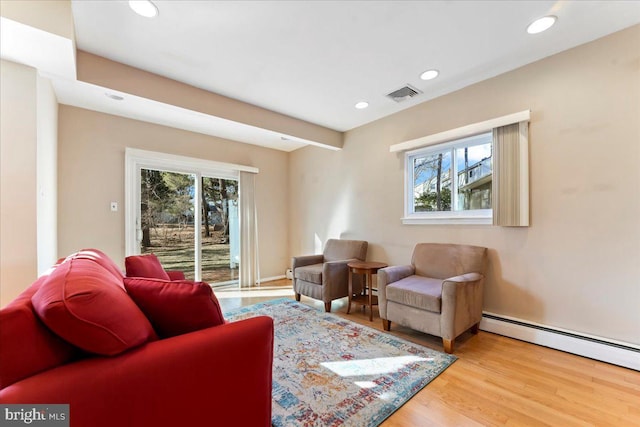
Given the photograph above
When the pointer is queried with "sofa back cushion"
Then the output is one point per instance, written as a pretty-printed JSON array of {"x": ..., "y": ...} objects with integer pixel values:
[
  {"x": 175, "y": 308},
  {"x": 338, "y": 250},
  {"x": 27, "y": 346},
  {"x": 86, "y": 305},
  {"x": 441, "y": 260},
  {"x": 101, "y": 259},
  {"x": 145, "y": 266}
]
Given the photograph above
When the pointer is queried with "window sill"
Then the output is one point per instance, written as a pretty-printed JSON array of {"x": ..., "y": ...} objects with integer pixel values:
[{"x": 448, "y": 220}]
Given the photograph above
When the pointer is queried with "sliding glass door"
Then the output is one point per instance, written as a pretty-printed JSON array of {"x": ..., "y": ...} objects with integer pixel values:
[
  {"x": 220, "y": 231},
  {"x": 190, "y": 213},
  {"x": 171, "y": 204}
]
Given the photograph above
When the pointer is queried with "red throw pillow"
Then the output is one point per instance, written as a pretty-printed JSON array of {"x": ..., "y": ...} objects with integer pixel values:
[
  {"x": 145, "y": 266},
  {"x": 101, "y": 258},
  {"x": 175, "y": 308},
  {"x": 86, "y": 305}
]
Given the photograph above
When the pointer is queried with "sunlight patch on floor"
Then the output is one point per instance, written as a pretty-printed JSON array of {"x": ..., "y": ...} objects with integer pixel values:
[
  {"x": 274, "y": 292},
  {"x": 377, "y": 366},
  {"x": 365, "y": 384},
  {"x": 387, "y": 396}
]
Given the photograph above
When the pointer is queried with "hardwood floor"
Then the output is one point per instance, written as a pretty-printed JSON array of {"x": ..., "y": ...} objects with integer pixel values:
[{"x": 496, "y": 381}]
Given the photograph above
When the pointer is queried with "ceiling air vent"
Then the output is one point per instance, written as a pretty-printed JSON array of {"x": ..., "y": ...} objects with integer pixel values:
[{"x": 404, "y": 93}]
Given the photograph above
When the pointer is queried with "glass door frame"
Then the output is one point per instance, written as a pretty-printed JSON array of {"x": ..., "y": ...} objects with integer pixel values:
[{"x": 136, "y": 160}]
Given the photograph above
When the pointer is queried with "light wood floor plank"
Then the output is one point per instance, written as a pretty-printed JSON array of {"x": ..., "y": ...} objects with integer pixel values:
[{"x": 517, "y": 402}]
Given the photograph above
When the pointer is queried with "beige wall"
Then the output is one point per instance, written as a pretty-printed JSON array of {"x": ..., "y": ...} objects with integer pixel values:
[
  {"x": 91, "y": 175},
  {"x": 18, "y": 140},
  {"x": 47, "y": 175},
  {"x": 578, "y": 265},
  {"x": 52, "y": 16}
]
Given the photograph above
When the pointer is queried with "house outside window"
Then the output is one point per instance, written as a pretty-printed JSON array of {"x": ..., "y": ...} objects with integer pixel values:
[{"x": 450, "y": 182}]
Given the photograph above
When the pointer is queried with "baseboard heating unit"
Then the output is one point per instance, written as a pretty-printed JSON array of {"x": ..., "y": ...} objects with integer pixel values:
[{"x": 598, "y": 348}]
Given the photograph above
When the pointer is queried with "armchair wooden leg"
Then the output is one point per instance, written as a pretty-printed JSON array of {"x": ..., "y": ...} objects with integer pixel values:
[
  {"x": 475, "y": 328},
  {"x": 448, "y": 345},
  {"x": 298, "y": 297},
  {"x": 327, "y": 307},
  {"x": 386, "y": 324}
]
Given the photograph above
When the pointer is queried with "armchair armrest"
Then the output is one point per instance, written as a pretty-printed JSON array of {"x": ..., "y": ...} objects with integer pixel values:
[
  {"x": 389, "y": 275},
  {"x": 175, "y": 275},
  {"x": 335, "y": 275},
  {"x": 468, "y": 277},
  {"x": 461, "y": 303},
  {"x": 394, "y": 273},
  {"x": 336, "y": 271},
  {"x": 210, "y": 376},
  {"x": 301, "y": 261}
]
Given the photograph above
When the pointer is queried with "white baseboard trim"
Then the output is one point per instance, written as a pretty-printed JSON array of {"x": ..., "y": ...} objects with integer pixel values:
[
  {"x": 598, "y": 348},
  {"x": 270, "y": 279}
]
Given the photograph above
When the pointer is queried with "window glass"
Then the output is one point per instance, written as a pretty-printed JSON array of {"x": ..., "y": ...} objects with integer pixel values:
[
  {"x": 432, "y": 182},
  {"x": 454, "y": 177},
  {"x": 474, "y": 172}
]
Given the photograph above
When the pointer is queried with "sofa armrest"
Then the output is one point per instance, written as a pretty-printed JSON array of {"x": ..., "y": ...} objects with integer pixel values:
[
  {"x": 301, "y": 261},
  {"x": 389, "y": 275},
  {"x": 175, "y": 275},
  {"x": 461, "y": 303},
  {"x": 210, "y": 376}
]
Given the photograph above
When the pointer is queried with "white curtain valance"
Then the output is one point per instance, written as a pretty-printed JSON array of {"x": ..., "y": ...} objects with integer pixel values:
[{"x": 461, "y": 132}]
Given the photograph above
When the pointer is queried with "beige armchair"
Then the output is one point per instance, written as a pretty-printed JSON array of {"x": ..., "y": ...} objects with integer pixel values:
[
  {"x": 326, "y": 277},
  {"x": 440, "y": 293}
]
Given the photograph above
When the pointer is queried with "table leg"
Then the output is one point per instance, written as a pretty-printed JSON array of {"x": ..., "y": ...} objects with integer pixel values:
[
  {"x": 350, "y": 291},
  {"x": 364, "y": 292},
  {"x": 369, "y": 284}
]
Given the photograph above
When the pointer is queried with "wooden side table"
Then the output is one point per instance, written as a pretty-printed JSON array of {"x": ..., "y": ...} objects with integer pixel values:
[{"x": 367, "y": 297}]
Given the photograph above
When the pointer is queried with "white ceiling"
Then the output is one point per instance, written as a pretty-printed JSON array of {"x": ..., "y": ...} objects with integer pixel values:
[{"x": 314, "y": 60}]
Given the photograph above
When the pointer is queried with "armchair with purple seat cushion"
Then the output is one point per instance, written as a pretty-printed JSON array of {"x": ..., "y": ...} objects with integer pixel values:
[
  {"x": 326, "y": 277},
  {"x": 439, "y": 293}
]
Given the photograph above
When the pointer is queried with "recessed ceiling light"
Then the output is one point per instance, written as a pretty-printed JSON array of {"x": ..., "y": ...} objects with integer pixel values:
[
  {"x": 429, "y": 74},
  {"x": 362, "y": 104},
  {"x": 542, "y": 24},
  {"x": 144, "y": 8},
  {"x": 113, "y": 96}
]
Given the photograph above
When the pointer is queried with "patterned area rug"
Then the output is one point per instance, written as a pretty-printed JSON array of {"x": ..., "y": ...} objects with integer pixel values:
[{"x": 328, "y": 371}]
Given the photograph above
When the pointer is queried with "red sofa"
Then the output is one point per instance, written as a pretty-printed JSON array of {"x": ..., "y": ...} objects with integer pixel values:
[{"x": 219, "y": 375}]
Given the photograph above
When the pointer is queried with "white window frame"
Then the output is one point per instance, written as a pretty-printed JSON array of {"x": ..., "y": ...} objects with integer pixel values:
[
  {"x": 454, "y": 216},
  {"x": 135, "y": 160},
  {"x": 439, "y": 139}
]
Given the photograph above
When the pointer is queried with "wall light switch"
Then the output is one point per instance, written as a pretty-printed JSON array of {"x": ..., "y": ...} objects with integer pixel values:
[{"x": 114, "y": 206}]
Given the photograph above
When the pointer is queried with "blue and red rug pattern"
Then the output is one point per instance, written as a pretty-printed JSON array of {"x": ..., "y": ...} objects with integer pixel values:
[{"x": 329, "y": 371}]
